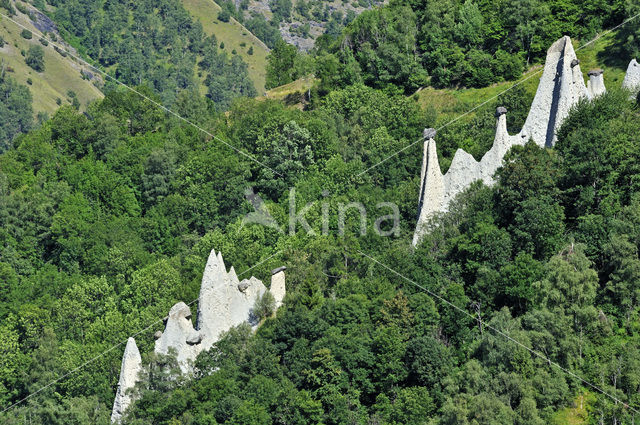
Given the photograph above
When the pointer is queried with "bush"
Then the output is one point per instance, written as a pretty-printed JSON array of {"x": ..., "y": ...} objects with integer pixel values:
[
  {"x": 1, "y": 41},
  {"x": 265, "y": 306},
  {"x": 29, "y": 81},
  {"x": 62, "y": 52},
  {"x": 26, "y": 34},
  {"x": 22, "y": 7},
  {"x": 250, "y": 51},
  {"x": 35, "y": 58},
  {"x": 6, "y": 4},
  {"x": 43, "y": 41},
  {"x": 224, "y": 16}
]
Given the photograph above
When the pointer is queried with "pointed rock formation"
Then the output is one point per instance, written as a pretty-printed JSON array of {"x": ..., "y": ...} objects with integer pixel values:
[
  {"x": 595, "y": 85},
  {"x": 224, "y": 302},
  {"x": 632, "y": 77},
  {"x": 561, "y": 87},
  {"x": 131, "y": 367},
  {"x": 502, "y": 142},
  {"x": 431, "y": 185},
  {"x": 277, "y": 288},
  {"x": 180, "y": 336}
]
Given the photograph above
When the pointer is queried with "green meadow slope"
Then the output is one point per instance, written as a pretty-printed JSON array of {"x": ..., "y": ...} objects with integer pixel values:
[
  {"x": 61, "y": 74},
  {"x": 234, "y": 36}
]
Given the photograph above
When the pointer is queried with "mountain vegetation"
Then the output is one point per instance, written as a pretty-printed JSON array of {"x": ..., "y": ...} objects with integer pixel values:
[
  {"x": 457, "y": 44},
  {"x": 108, "y": 211},
  {"x": 16, "y": 113}
]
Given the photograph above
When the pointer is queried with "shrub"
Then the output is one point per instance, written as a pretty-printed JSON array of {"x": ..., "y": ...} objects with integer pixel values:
[
  {"x": 43, "y": 41},
  {"x": 265, "y": 306},
  {"x": 26, "y": 34},
  {"x": 35, "y": 58},
  {"x": 22, "y": 7},
  {"x": 29, "y": 81},
  {"x": 250, "y": 51},
  {"x": 6, "y": 4},
  {"x": 224, "y": 16}
]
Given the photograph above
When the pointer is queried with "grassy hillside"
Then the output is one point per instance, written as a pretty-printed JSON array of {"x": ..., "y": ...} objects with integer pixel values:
[
  {"x": 61, "y": 73},
  {"x": 291, "y": 93},
  {"x": 233, "y": 35}
]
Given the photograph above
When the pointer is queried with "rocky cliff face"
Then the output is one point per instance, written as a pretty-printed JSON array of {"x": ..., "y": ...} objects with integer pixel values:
[
  {"x": 561, "y": 87},
  {"x": 224, "y": 302}
]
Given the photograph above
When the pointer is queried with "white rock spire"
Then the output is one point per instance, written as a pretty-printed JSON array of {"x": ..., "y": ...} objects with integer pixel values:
[
  {"x": 431, "y": 185},
  {"x": 180, "y": 336},
  {"x": 595, "y": 85},
  {"x": 224, "y": 302},
  {"x": 561, "y": 87},
  {"x": 129, "y": 371},
  {"x": 632, "y": 77}
]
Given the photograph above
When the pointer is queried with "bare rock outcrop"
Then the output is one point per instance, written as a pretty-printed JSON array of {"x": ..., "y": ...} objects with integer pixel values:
[
  {"x": 224, "y": 302},
  {"x": 180, "y": 336},
  {"x": 561, "y": 87},
  {"x": 431, "y": 185},
  {"x": 129, "y": 371},
  {"x": 595, "y": 85},
  {"x": 277, "y": 288},
  {"x": 632, "y": 77}
]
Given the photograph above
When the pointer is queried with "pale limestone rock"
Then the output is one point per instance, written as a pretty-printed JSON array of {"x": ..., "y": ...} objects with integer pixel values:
[
  {"x": 595, "y": 85},
  {"x": 222, "y": 304},
  {"x": 632, "y": 77},
  {"x": 561, "y": 87},
  {"x": 277, "y": 288},
  {"x": 177, "y": 332},
  {"x": 431, "y": 186},
  {"x": 131, "y": 367}
]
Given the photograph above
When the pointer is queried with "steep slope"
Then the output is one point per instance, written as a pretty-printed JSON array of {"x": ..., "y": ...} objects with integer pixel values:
[
  {"x": 61, "y": 74},
  {"x": 234, "y": 36}
]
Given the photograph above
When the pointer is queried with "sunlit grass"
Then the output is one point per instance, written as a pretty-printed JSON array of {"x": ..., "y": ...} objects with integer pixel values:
[
  {"x": 232, "y": 35},
  {"x": 46, "y": 87}
]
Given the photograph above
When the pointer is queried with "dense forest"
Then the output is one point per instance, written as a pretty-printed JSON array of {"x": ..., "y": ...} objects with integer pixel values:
[
  {"x": 107, "y": 217},
  {"x": 16, "y": 113},
  {"x": 452, "y": 43}
]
